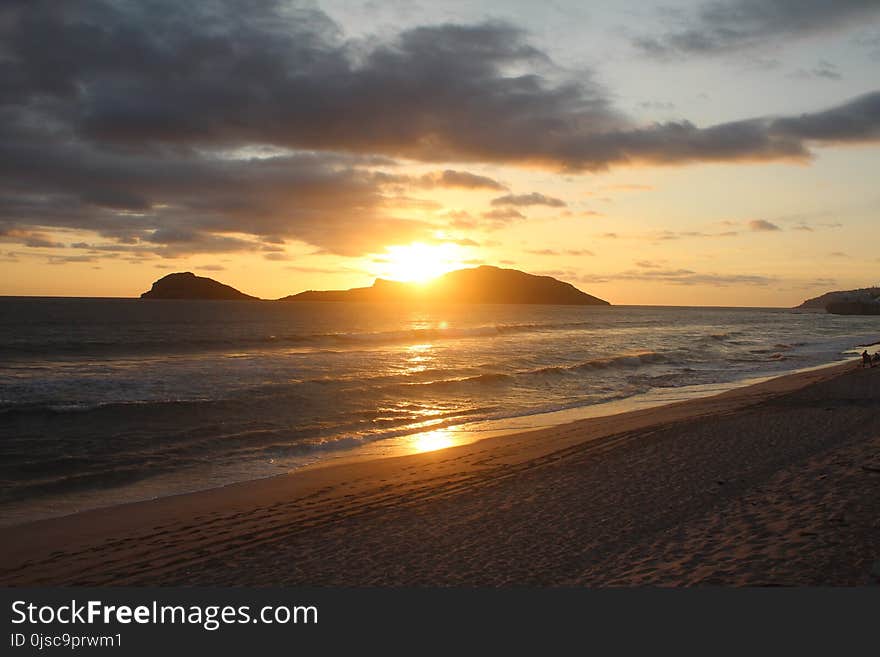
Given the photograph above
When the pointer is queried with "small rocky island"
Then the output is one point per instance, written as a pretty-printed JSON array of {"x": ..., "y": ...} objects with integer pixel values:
[
  {"x": 484, "y": 284},
  {"x": 186, "y": 285}
]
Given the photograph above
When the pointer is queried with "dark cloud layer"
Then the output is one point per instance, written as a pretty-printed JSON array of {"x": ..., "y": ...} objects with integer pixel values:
[
  {"x": 726, "y": 25},
  {"x": 855, "y": 121},
  {"x": 143, "y": 120}
]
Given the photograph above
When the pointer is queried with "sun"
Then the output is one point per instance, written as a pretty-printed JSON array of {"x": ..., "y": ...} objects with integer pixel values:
[{"x": 418, "y": 262}]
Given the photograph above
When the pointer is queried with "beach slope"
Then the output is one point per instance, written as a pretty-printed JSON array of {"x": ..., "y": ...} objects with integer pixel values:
[{"x": 772, "y": 484}]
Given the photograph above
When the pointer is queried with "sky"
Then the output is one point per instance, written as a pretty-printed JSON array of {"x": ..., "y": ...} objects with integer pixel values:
[{"x": 708, "y": 152}]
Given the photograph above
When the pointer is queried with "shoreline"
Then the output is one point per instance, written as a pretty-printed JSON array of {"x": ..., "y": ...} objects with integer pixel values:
[
  {"x": 467, "y": 433},
  {"x": 178, "y": 539},
  {"x": 428, "y": 439}
]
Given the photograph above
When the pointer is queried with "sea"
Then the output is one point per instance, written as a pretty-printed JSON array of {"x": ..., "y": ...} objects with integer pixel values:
[{"x": 104, "y": 401}]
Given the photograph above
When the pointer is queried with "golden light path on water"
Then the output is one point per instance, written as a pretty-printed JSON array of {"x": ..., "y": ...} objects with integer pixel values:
[
  {"x": 433, "y": 440},
  {"x": 417, "y": 357}
]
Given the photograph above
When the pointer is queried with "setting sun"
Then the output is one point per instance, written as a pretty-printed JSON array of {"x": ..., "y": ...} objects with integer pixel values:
[{"x": 418, "y": 262}]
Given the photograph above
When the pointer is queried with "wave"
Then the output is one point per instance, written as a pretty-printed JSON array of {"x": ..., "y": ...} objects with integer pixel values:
[
  {"x": 634, "y": 360},
  {"x": 177, "y": 343},
  {"x": 363, "y": 387},
  {"x": 8, "y": 407}
]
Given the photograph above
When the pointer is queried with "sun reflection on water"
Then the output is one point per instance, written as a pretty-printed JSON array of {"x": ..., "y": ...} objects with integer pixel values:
[
  {"x": 418, "y": 355},
  {"x": 433, "y": 440}
]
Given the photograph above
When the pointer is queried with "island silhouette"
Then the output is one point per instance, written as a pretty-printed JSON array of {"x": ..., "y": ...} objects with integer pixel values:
[
  {"x": 484, "y": 284},
  {"x": 186, "y": 285},
  {"x": 864, "y": 301}
]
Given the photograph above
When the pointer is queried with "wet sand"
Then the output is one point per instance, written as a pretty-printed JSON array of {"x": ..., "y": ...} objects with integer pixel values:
[{"x": 773, "y": 484}]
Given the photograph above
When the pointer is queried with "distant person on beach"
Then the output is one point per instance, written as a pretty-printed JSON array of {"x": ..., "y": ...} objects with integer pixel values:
[{"x": 866, "y": 359}]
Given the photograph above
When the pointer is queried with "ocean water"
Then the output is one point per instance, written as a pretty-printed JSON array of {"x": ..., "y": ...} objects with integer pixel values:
[{"x": 110, "y": 400}]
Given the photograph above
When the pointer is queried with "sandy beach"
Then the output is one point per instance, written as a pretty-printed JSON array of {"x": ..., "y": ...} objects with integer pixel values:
[{"x": 772, "y": 484}]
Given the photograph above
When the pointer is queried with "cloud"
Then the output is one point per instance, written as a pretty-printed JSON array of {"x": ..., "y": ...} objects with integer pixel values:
[
  {"x": 855, "y": 121},
  {"x": 462, "y": 179},
  {"x": 181, "y": 128},
  {"x": 503, "y": 215},
  {"x": 523, "y": 200},
  {"x": 657, "y": 105},
  {"x": 681, "y": 277},
  {"x": 31, "y": 239},
  {"x": 871, "y": 44},
  {"x": 727, "y": 25},
  {"x": 629, "y": 188},
  {"x": 161, "y": 72},
  {"x": 668, "y": 235},
  {"x": 160, "y": 79},
  {"x": 64, "y": 260},
  {"x": 762, "y": 225},
  {"x": 318, "y": 270},
  {"x": 823, "y": 282},
  {"x": 460, "y": 219},
  {"x": 194, "y": 202},
  {"x": 275, "y": 256},
  {"x": 809, "y": 228},
  {"x": 554, "y": 252},
  {"x": 823, "y": 69}
]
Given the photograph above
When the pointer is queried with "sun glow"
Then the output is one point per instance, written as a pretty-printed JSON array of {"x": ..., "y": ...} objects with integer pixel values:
[{"x": 418, "y": 262}]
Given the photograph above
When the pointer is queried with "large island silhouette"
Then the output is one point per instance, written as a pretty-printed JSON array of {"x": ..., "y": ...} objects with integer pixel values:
[
  {"x": 864, "y": 301},
  {"x": 485, "y": 284}
]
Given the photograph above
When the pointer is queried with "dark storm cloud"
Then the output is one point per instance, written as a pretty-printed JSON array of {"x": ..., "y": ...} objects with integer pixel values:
[
  {"x": 188, "y": 202},
  {"x": 209, "y": 73},
  {"x": 141, "y": 121},
  {"x": 727, "y": 25},
  {"x": 153, "y": 74}
]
